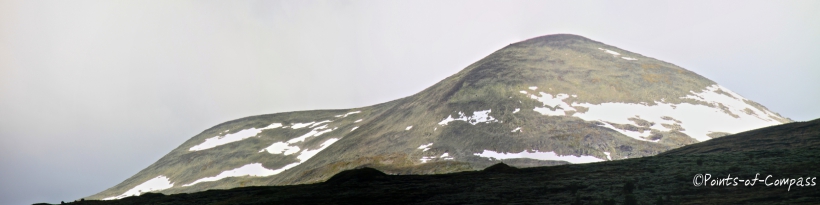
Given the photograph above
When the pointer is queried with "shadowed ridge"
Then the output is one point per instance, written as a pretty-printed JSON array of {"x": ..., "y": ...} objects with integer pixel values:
[
  {"x": 500, "y": 168},
  {"x": 786, "y": 136},
  {"x": 363, "y": 174}
]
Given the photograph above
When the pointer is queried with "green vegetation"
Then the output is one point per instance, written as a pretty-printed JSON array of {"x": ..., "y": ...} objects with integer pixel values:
[{"x": 663, "y": 179}]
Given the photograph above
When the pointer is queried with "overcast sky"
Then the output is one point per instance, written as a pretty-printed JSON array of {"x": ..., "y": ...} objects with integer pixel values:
[{"x": 91, "y": 92}]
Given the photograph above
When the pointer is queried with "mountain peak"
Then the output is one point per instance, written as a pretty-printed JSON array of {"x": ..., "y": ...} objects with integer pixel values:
[
  {"x": 549, "y": 100},
  {"x": 552, "y": 38}
]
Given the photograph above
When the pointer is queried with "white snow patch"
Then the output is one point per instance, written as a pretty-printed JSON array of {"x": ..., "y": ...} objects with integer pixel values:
[
  {"x": 540, "y": 156},
  {"x": 241, "y": 135},
  {"x": 478, "y": 117},
  {"x": 609, "y": 51},
  {"x": 426, "y": 147},
  {"x": 629, "y": 133},
  {"x": 354, "y": 128},
  {"x": 359, "y": 120},
  {"x": 446, "y": 156},
  {"x": 425, "y": 159},
  {"x": 523, "y": 92},
  {"x": 156, "y": 184},
  {"x": 608, "y": 156},
  {"x": 281, "y": 148},
  {"x": 409, "y": 127},
  {"x": 301, "y": 125},
  {"x": 516, "y": 110},
  {"x": 350, "y": 113},
  {"x": 629, "y": 59},
  {"x": 307, "y": 154},
  {"x": 253, "y": 169},
  {"x": 313, "y": 133},
  {"x": 516, "y": 129},
  {"x": 696, "y": 120},
  {"x": 256, "y": 169},
  {"x": 319, "y": 123},
  {"x": 533, "y": 87}
]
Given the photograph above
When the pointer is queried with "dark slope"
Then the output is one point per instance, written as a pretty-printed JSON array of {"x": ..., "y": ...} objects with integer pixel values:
[
  {"x": 800, "y": 135},
  {"x": 661, "y": 179}
]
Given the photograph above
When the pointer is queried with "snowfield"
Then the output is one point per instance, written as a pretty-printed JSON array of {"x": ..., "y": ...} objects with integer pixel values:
[
  {"x": 241, "y": 135},
  {"x": 539, "y": 156},
  {"x": 728, "y": 113},
  {"x": 156, "y": 184},
  {"x": 253, "y": 169}
]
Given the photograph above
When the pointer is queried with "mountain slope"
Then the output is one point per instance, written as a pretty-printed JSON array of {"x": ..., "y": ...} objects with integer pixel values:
[
  {"x": 549, "y": 100},
  {"x": 662, "y": 179}
]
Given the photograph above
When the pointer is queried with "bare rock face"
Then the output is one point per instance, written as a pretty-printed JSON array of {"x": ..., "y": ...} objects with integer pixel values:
[{"x": 549, "y": 100}]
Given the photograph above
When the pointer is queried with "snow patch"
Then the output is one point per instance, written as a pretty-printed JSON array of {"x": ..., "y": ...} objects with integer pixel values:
[
  {"x": 256, "y": 169},
  {"x": 301, "y": 125},
  {"x": 409, "y": 127},
  {"x": 359, "y": 120},
  {"x": 241, "y": 135},
  {"x": 313, "y": 133},
  {"x": 445, "y": 156},
  {"x": 696, "y": 120},
  {"x": 516, "y": 110},
  {"x": 426, "y": 147},
  {"x": 156, "y": 184},
  {"x": 608, "y": 156},
  {"x": 539, "y": 156},
  {"x": 307, "y": 154},
  {"x": 633, "y": 134},
  {"x": 319, "y": 123},
  {"x": 516, "y": 129},
  {"x": 350, "y": 113},
  {"x": 482, "y": 116},
  {"x": 425, "y": 159},
  {"x": 354, "y": 128},
  {"x": 629, "y": 59},
  {"x": 281, "y": 148},
  {"x": 533, "y": 87},
  {"x": 609, "y": 51},
  {"x": 253, "y": 169}
]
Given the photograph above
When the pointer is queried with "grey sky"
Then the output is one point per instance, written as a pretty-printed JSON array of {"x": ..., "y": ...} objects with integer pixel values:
[{"x": 91, "y": 92}]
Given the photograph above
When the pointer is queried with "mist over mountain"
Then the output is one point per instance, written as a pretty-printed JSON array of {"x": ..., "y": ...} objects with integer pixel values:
[{"x": 550, "y": 100}]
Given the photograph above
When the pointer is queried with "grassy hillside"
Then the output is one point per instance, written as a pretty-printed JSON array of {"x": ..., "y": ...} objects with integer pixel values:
[
  {"x": 784, "y": 151},
  {"x": 511, "y": 86}
]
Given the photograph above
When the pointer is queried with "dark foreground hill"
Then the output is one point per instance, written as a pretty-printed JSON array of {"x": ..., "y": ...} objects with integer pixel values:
[{"x": 786, "y": 151}]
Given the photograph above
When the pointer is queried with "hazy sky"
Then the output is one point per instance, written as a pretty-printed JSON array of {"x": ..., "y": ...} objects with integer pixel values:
[{"x": 91, "y": 92}]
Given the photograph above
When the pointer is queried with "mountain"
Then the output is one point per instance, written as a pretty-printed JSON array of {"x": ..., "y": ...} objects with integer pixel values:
[
  {"x": 787, "y": 151},
  {"x": 545, "y": 101}
]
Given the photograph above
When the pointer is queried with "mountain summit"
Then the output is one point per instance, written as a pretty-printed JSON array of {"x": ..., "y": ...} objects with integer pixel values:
[{"x": 549, "y": 100}]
